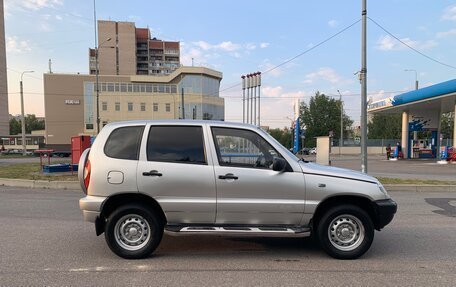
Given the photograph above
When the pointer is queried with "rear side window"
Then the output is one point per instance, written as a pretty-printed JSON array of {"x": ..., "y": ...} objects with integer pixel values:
[
  {"x": 124, "y": 143},
  {"x": 180, "y": 144}
]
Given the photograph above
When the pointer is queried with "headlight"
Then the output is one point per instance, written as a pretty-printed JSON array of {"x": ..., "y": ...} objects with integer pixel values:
[{"x": 382, "y": 189}]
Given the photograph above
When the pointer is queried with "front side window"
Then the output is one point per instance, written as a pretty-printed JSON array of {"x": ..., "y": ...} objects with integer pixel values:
[
  {"x": 124, "y": 143},
  {"x": 179, "y": 144},
  {"x": 243, "y": 148}
]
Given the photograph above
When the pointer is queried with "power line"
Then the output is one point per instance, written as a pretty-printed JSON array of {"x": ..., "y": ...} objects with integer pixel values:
[
  {"x": 26, "y": 75},
  {"x": 300, "y": 54},
  {"x": 312, "y": 48},
  {"x": 327, "y": 94},
  {"x": 410, "y": 47}
]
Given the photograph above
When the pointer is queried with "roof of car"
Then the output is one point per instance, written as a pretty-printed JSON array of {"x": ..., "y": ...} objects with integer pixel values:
[{"x": 180, "y": 122}]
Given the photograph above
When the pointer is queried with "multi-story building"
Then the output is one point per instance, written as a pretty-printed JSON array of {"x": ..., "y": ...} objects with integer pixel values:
[
  {"x": 127, "y": 50},
  {"x": 70, "y": 100},
  {"x": 4, "y": 115}
]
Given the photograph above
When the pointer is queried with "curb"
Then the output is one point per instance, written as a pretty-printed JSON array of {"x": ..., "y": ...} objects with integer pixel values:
[
  {"x": 45, "y": 184},
  {"x": 74, "y": 185}
]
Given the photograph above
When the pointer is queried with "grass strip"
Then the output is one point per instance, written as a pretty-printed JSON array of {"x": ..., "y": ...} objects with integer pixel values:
[{"x": 33, "y": 171}]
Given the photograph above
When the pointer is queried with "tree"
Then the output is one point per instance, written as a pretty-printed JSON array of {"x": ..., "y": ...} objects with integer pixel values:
[
  {"x": 385, "y": 126},
  {"x": 15, "y": 126},
  {"x": 31, "y": 124},
  {"x": 283, "y": 136},
  {"x": 447, "y": 124},
  {"x": 322, "y": 116}
]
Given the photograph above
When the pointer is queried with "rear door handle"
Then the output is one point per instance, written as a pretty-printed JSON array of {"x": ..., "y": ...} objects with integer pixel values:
[
  {"x": 228, "y": 176},
  {"x": 152, "y": 173}
]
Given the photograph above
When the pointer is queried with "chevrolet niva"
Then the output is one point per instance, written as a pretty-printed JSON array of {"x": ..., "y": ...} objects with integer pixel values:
[{"x": 144, "y": 178}]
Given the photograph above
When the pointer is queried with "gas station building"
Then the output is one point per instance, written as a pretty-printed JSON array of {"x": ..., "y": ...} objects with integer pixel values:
[{"x": 421, "y": 116}]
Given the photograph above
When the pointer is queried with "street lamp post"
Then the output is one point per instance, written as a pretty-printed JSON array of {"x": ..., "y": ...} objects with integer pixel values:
[
  {"x": 24, "y": 147},
  {"x": 291, "y": 130},
  {"x": 416, "y": 77},
  {"x": 97, "y": 85},
  {"x": 341, "y": 140}
]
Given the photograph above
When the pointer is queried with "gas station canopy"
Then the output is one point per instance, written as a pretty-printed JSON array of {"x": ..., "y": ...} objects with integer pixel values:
[
  {"x": 421, "y": 112},
  {"x": 439, "y": 97}
]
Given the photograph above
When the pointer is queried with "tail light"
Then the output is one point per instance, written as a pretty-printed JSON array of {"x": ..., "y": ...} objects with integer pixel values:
[{"x": 87, "y": 170}]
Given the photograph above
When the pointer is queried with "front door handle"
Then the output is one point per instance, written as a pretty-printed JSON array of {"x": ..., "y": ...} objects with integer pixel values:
[
  {"x": 152, "y": 173},
  {"x": 228, "y": 176}
]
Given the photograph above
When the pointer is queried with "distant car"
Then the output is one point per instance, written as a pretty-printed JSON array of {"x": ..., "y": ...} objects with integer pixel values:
[
  {"x": 304, "y": 151},
  {"x": 61, "y": 154},
  {"x": 14, "y": 151},
  {"x": 313, "y": 150}
]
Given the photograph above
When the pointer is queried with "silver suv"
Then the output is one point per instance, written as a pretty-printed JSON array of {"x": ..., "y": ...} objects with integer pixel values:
[{"x": 144, "y": 178}]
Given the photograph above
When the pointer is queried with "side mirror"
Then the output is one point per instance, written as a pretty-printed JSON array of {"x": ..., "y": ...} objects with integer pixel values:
[{"x": 279, "y": 164}]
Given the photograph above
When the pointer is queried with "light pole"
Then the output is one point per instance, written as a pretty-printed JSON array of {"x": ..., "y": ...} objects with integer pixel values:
[
  {"x": 341, "y": 122},
  {"x": 24, "y": 147},
  {"x": 363, "y": 77},
  {"x": 416, "y": 77},
  {"x": 97, "y": 85},
  {"x": 291, "y": 130}
]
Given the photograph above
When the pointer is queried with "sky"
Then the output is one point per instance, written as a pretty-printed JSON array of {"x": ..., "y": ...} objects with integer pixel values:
[{"x": 240, "y": 37}]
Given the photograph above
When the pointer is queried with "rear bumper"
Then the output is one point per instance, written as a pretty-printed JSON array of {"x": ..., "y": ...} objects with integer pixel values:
[
  {"x": 384, "y": 212},
  {"x": 91, "y": 207}
]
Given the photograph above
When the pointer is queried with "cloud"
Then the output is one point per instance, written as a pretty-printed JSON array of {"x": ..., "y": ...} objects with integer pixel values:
[
  {"x": 324, "y": 73},
  {"x": 449, "y": 13},
  {"x": 274, "y": 92},
  {"x": 200, "y": 57},
  {"x": 203, "y": 51},
  {"x": 134, "y": 18},
  {"x": 264, "y": 45},
  {"x": 377, "y": 96},
  {"x": 16, "y": 46},
  {"x": 266, "y": 66},
  {"x": 446, "y": 34},
  {"x": 388, "y": 43},
  {"x": 39, "y": 4},
  {"x": 228, "y": 46},
  {"x": 333, "y": 23},
  {"x": 250, "y": 46}
]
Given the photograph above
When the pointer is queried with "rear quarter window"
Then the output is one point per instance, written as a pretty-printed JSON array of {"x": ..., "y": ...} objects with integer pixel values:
[{"x": 124, "y": 143}]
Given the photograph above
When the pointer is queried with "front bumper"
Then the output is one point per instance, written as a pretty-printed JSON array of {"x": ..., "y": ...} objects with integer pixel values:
[{"x": 384, "y": 212}]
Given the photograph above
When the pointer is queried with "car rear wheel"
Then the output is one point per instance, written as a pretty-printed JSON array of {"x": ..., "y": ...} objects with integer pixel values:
[
  {"x": 133, "y": 232},
  {"x": 345, "y": 232}
]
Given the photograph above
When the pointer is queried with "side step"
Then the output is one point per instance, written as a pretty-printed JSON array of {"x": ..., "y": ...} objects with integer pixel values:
[{"x": 254, "y": 231}]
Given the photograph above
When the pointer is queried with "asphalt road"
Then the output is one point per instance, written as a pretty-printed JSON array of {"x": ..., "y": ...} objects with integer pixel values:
[{"x": 43, "y": 241}]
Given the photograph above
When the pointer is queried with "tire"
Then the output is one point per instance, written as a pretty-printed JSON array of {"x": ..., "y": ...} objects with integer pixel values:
[
  {"x": 129, "y": 219},
  {"x": 345, "y": 232}
]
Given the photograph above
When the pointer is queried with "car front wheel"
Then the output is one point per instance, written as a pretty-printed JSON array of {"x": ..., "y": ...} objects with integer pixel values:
[
  {"x": 345, "y": 232},
  {"x": 133, "y": 232}
]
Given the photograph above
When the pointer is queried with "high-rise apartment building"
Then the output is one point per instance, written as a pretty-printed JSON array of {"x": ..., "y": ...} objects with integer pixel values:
[
  {"x": 127, "y": 50},
  {"x": 4, "y": 116}
]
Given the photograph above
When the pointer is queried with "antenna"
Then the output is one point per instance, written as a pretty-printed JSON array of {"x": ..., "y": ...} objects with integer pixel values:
[{"x": 50, "y": 66}]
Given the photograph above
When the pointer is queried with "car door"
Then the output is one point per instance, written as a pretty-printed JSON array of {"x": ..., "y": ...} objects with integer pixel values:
[
  {"x": 248, "y": 190},
  {"x": 176, "y": 170}
]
